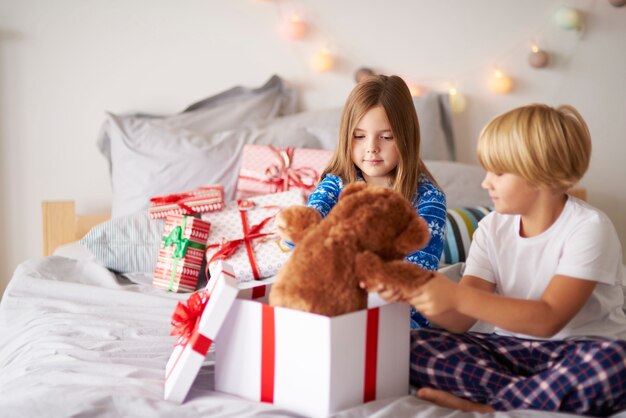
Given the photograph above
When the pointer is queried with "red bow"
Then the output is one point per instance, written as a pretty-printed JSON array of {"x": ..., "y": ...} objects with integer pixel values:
[
  {"x": 186, "y": 316},
  {"x": 283, "y": 176}
]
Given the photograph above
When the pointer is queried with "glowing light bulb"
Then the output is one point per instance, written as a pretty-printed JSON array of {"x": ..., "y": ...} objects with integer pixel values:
[
  {"x": 457, "y": 101},
  {"x": 500, "y": 83},
  {"x": 294, "y": 28},
  {"x": 323, "y": 61},
  {"x": 538, "y": 58},
  {"x": 415, "y": 90},
  {"x": 568, "y": 18}
]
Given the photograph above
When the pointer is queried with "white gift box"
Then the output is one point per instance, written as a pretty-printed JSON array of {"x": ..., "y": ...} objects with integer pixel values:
[
  {"x": 309, "y": 364},
  {"x": 312, "y": 364},
  {"x": 188, "y": 355}
]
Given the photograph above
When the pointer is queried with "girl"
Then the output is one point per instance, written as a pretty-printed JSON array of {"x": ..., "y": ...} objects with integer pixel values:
[
  {"x": 545, "y": 269},
  {"x": 379, "y": 143}
]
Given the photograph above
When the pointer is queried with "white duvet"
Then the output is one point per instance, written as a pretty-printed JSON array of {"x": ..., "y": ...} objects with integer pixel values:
[{"x": 77, "y": 340}]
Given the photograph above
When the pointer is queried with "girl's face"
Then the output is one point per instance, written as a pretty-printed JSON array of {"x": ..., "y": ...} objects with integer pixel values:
[
  {"x": 510, "y": 193},
  {"x": 374, "y": 148}
]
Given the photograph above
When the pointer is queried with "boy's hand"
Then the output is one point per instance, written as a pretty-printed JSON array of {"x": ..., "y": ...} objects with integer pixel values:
[{"x": 438, "y": 296}]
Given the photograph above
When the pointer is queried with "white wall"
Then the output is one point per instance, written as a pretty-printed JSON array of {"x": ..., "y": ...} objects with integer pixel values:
[{"x": 64, "y": 62}]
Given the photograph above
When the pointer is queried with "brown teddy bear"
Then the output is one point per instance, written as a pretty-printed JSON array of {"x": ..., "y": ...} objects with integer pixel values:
[{"x": 365, "y": 237}]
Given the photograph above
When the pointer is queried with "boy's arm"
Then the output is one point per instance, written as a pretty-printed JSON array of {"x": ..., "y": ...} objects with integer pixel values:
[{"x": 441, "y": 298}]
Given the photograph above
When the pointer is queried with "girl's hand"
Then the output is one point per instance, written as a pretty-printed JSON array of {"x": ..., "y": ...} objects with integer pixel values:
[{"x": 438, "y": 296}]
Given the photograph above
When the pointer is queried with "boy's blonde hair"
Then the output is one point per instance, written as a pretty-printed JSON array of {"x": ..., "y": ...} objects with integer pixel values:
[
  {"x": 392, "y": 93},
  {"x": 548, "y": 147}
]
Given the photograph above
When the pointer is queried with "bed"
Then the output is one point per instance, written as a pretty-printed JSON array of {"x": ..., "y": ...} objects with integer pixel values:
[{"x": 82, "y": 330}]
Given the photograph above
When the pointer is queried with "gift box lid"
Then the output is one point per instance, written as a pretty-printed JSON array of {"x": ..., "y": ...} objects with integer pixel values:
[{"x": 208, "y": 310}]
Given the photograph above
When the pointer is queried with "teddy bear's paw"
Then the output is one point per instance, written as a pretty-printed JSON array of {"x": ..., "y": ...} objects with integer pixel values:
[
  {"x": 293, "y": 222},
  {"x": 369, "y": 269}
]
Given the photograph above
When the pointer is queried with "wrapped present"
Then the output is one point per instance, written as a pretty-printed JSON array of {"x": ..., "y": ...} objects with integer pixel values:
[
  {"x": 267, "y": 169},
  {"x": 181, "y": 253},
  {"x": 196, "y": 323},
  {"x": 199, "y": 200},
  {"x": 310, "y": 364},
  {"x": 243, "y": 234}
]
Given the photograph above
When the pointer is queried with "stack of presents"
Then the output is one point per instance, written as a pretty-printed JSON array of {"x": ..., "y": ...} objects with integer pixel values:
[{"x": 262, "y": 353}]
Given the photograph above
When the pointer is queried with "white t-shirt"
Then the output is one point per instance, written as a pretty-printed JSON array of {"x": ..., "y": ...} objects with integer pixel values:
[{"x": 582, "y": 243}]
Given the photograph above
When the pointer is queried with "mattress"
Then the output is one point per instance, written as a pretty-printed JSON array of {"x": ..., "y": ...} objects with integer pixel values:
[{"x": 78, "y": 340}]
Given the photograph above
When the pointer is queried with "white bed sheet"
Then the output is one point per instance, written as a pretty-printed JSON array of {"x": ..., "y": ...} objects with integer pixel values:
[{"x": 77, "y": 340}]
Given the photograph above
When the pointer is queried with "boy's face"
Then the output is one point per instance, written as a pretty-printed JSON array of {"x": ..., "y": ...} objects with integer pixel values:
[
  {"x": 510, "y": 193},
  {"x": 374, "y": 148}
]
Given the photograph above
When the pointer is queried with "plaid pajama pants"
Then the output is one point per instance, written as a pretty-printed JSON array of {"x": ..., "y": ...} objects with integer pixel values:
[{"x": 580, "y": 376}]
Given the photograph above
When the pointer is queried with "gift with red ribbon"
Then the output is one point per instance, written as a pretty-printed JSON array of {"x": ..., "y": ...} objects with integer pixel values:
[
  {"x": 311, "y": 364},
  {"x": 199, "y": 200},
  {"x": 268, "y": 169},
  {"x": 243, "y": 234},
  {"x": 196, "y": 322},
  {"x": 181, "y": 253}
]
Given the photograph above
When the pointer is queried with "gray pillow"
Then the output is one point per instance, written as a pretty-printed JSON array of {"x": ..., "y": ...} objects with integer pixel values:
[
  {"x": 126, "y": 244},
  {"x": 150, "y": 155},
  {"x": 460, "y": 182},
  {"x": 437, "y": 141}
]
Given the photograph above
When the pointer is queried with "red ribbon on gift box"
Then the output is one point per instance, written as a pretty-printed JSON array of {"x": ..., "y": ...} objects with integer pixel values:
[
  {"x": 371, "y": 355},
  {"x": 282, "y": 176},
  {"x": 268, "y": 354},
  {"x": 186, "y": 316},
  {"x": 228, "y": 248},
  {"x": 185, "y": 322}
]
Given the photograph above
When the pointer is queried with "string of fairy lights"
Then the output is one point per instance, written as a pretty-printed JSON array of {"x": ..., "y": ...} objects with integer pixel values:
[{"x": 293, "y": 27}]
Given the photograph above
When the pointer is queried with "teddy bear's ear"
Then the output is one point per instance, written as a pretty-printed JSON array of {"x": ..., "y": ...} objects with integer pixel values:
[
  {"x": 353, "y": 188},
  {"x": 414, "y": 237}
]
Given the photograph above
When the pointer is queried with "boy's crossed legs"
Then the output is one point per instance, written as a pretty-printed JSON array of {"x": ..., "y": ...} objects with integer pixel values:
[{"x": 483, "y": 372}]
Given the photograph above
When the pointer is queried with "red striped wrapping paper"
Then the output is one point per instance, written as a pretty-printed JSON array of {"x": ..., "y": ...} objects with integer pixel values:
[
  {"x": 179, "y": 272},
  {"x": 199, "y": 200}
]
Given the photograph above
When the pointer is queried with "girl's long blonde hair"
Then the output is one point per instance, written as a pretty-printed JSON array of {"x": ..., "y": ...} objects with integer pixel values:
[
  {"x": 548, "y": 147},
  {"x": 392, "y": 93}
]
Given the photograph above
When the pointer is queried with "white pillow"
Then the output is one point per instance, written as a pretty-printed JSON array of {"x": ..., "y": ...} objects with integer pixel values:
[{"x": 151, "y": 156}]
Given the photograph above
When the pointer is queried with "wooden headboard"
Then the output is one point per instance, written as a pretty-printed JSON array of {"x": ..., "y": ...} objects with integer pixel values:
[{"x": 61, "y": 224}]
